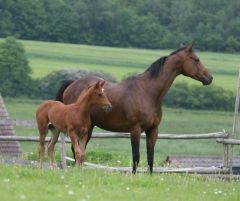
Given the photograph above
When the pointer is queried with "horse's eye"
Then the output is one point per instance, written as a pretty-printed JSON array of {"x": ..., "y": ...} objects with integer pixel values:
[
  {"x": 100, "y": 94},
  {"x": 197, "y": 60}
]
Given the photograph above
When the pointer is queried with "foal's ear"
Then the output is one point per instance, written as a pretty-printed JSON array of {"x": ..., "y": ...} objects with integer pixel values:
[
  {"x": 102, "y": 83},
  {"x": 97, "y": 84},
  {"x": 181, "y": 45}
]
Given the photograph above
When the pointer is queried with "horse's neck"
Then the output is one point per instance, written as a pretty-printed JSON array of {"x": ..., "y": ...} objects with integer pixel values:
[
  {"x": 84, "y": 105},
  {"x": 158, "y": 87}
]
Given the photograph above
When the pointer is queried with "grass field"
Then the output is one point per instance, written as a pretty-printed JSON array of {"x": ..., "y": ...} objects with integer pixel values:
[
  {"x": 118, "y": 151},
  {"x": 46, "y": 57},
  {"x": 21, "y": 183},
  {"x": 26, "y": 183}
]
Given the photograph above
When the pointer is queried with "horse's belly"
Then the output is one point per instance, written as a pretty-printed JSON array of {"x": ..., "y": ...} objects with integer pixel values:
[
  {"x": 110, "y": 121},
  {"x": 116, "y": 121}
]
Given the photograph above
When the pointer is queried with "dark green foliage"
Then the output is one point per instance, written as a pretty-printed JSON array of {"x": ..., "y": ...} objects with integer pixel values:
[
  {"x": 49, "y": 85},
  {"x": 14, "y": 69},
  {"x": 213, "y": 25},
  {"x": 182, "y": 95}
]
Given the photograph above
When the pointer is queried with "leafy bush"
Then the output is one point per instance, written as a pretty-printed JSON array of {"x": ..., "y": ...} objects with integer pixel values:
[
  {"x": 14, "y": 69},
  {"x": 49, "y": 85},
  {"x": 198, "y": 97}
]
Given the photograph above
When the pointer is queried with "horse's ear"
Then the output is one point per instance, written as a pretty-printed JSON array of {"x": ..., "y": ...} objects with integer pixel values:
[
  {"x": 97, "y": 84},
  {"x": 190, "y": 47},
  {"x": 102, "y": 83},
  {"x": 181, "y": 45}
]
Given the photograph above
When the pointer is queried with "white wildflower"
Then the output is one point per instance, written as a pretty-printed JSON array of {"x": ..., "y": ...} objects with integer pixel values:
[
  {"x": 6, "y": 180},
  {"x": 70, "y": 192}
]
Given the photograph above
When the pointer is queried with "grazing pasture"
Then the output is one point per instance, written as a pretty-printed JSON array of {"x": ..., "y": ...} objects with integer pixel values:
[
  {"x": 81, "y": 184},
  {"x": 22, "y": 183},
  {"x": 117, "y": 151},
  {"x": 45, "y": 57}
]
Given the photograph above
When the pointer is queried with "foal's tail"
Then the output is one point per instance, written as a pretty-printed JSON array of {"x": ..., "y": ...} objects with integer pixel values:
[{"x": 65, "y": 84}]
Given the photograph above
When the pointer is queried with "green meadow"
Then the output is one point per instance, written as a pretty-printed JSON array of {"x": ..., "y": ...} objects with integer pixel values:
[
  {"x": 76, "y": 184},
  {"x": 118, "y": 151},
  {"x": 45, "y": 57},
  {"x": 23, "y": 183}
]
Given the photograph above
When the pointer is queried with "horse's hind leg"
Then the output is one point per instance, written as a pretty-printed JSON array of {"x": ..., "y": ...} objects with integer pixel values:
[
  {"x": 51, "y": 145},
  {"x": 135, "y": 141},
  {"x": 41, "y": 148},
  {"x": 151, "y": 137}
]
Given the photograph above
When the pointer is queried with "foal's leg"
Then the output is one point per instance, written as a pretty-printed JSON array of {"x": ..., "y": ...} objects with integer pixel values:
[
  {"x": 77, "y": 151},
  {"x": 88, "y": 138},
  {"x": 135, "y": 141},
  {"x": 51, "y": 145},
  {"x": 83, "y": 143},
  {"x": 41, "y": 148},
  {"x": 151, "y": 138}
]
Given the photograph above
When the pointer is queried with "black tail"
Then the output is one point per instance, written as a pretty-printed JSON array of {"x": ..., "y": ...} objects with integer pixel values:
[{"x": 65, "y": 84}]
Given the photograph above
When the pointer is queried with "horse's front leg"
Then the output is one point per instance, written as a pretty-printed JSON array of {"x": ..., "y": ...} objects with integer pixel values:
[
  {"x": 77, "y": 151},
  {"x": 151, "y": 138},
  {"x": 83, "y": 143},
  {"x": 88, "y": 138},
  {"x": 135, "y": 141}
]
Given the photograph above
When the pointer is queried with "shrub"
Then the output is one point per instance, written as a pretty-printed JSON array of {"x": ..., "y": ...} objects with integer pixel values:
[
  {"x": 14, "y": 69},
  {"x": 49, "y": 85},
  {"x": 197, "y": 97}
]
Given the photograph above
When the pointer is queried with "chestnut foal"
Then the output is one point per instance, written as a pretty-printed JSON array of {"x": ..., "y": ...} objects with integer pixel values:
[{"x": 73, "y": 120}]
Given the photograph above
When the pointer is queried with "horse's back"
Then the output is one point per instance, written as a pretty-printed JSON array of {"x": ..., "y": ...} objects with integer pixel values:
[{"x": 73, "y": 91}]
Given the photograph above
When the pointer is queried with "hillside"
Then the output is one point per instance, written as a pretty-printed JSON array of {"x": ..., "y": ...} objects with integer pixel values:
[{"x": 45, "y": 57}]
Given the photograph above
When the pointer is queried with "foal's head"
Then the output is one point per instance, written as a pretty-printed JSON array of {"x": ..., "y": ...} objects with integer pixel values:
[
  {"x": 98, "y": 96},
  {"x": 191, "y": 65}
]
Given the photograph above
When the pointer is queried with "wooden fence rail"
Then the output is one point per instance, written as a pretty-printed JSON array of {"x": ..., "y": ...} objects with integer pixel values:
[
  {"x": 18, "y": 122},
  {"x": 124, "y": 135}
]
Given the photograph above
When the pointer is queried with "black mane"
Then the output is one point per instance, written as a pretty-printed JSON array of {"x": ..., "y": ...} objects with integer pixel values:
[{"x": 156, "y": 66}]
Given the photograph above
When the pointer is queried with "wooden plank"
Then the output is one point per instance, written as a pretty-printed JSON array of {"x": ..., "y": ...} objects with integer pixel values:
[
  {"x": 18, "y": 122},
  {"x": 200, "y": 170},
  {"x": 228, "y": 141},
  {"x": 222, "y": 134},
  {"x": 235, "y": 117},
  {"x": 124, "y": 135},
  {"x": 199, "y": 161}
]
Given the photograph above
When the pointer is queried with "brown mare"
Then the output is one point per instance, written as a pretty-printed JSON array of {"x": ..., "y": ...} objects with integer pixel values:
[
  {"x": 73, "y": 119},
  {"x": 137, "y": 101}
]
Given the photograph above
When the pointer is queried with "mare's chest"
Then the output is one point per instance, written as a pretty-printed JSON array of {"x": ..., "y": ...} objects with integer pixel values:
[{"x": 143, "y": 111}]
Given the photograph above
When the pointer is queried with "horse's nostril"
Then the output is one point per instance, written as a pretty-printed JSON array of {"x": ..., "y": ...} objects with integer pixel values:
[{"x": 107, "y": 108}]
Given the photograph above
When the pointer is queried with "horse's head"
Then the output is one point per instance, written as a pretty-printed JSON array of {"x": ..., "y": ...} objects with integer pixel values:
[
  {"x": 99, "y": 96},
  {"x": 192, "y": 66}
]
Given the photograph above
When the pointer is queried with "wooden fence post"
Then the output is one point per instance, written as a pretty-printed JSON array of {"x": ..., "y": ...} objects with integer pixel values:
[
  {"x": 63, "y": 151},
  {"x": 235, "y": 125}
]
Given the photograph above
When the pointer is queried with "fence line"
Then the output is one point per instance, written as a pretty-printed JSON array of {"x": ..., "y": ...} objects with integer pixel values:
[
  {"x": 18, "y": 122},
  {"x": 124, "y": 135}
]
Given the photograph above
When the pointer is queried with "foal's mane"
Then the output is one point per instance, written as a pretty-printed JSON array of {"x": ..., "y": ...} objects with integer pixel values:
[{"x": 156, "y": 66}]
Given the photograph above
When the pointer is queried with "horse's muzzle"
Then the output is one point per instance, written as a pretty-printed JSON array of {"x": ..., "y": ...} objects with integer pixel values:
[
  {"x": 107, "y": 108},
  {"x": 207, "y": 80}
]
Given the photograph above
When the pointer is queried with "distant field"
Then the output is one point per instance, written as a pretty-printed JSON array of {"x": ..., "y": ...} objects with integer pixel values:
[
  {"x": 46, "y": 57},
  {"x": 118, "y": 151}
]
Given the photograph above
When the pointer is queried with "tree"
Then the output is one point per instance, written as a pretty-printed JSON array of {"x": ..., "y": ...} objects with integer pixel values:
[{"x": 14, "y": 69}]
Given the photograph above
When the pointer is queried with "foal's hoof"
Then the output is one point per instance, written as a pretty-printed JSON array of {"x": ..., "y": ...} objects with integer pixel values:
[{"x": 52, "y": 166}]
